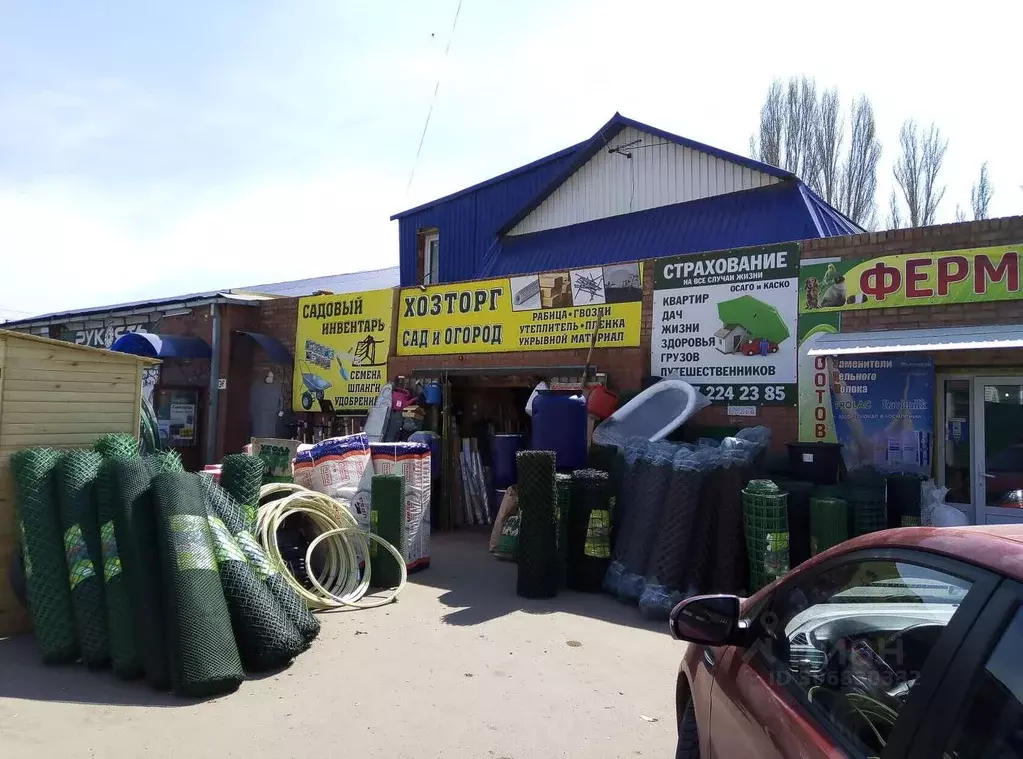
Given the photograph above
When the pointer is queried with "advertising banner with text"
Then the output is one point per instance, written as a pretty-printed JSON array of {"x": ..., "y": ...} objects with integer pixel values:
[
  {"x": 726, "y": 323},
  {"x": 977, "y": 275},
  {"x": 341, "y": 348},
  {"x": 550, "y": 311}
]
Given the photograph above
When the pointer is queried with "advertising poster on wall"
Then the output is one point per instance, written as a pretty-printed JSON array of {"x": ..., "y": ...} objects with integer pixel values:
[
  {"x": 341, "y": 348},
  {"x": 884, "y": 412},
  {"x": 726, "y": 323},
  {"x": 550, "y": 311},
  {"x": 978, "y": 275}
]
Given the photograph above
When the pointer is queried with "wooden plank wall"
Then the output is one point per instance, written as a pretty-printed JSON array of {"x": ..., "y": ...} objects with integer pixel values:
[{"x": 56, "y": 396}]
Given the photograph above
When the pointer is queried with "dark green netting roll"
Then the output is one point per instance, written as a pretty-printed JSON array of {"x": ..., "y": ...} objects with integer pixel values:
[
  {"x": 203, "y": 652},
  {"x": 49, "y": 592},
  {"x": 242, "y": 477},
  {"x": 266, "y": 638},
  {"x": 589, "y": 528},
  {"x": 221, "y": 504},
  {"x": 118, "y": 446},
  {"x": 140, "y": 558},
  {"x": 76, "y": 494},
  {"x": 562, "y": 510},
  {"x": 164, "y": 461},
  {"x": 125, "y": 649},
  {"x": 538, "y": 571},
  {"x": 388, "y": 521}
]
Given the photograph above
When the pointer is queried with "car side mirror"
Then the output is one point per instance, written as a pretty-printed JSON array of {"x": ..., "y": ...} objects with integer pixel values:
[{"x": 706, "y": 620}]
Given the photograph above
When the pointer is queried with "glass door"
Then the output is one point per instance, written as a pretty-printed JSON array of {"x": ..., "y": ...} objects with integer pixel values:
[
  {"x": 998, "y": 450},
  {"x": 955, "y": 459}
]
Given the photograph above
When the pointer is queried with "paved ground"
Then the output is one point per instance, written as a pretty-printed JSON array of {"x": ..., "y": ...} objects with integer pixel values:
[{"x": 460, "y": 667}]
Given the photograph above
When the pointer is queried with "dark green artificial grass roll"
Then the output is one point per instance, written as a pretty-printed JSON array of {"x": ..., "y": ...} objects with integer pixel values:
[
  {"x": 76, "y": 493},
  {"x": 135, "y": 523},
  {"x": 539, "y": 574},
  {"x": 203, "y": 652},
  {"x": 219, "y": 503},
  {"x": 388, "y": 519},
  {"x": 242, "y": 477},
  {"x": 49, "y": 590}
]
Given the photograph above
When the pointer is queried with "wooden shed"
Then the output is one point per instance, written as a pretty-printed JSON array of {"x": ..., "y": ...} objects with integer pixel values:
[{"x": 60, "y": 395}]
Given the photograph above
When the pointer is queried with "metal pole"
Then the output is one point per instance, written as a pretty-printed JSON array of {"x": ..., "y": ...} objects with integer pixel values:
[{"x": 213, "y": 404}]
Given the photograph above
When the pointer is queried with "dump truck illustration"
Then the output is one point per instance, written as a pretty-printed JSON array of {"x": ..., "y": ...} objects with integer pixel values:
[{"x": 750, "y": 327}]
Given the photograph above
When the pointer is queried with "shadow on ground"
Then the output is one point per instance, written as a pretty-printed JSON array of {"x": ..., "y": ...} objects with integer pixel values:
[
  {"x": 481, "y": 588},
  {"x": 25, "y": 677}
]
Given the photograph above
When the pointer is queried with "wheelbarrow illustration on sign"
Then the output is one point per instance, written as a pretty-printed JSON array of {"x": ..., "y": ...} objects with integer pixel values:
[{"x": 315, "y": 386}]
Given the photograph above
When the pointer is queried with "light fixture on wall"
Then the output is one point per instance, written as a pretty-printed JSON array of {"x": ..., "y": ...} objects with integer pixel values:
[{"x": 269, "y": 377}]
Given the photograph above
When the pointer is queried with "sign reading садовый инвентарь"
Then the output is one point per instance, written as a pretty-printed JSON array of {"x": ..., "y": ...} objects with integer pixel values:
[
  {"x": 726, "y": 323},
  {"x": 551, "y": 311},
  {"x": 341, "y": 348},
  {"x": 975, "y": 275}
]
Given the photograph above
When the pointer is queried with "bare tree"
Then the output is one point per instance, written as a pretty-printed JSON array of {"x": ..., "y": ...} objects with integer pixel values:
[
  {"x": 804, "y": 133},
  {"x": 960, "y": 214},
  {"x": 917, "y": 169},
  {"x": 981, "y": 194},
  {"x": 858, "y": 176},
  {"x": 894, "y": 212}
]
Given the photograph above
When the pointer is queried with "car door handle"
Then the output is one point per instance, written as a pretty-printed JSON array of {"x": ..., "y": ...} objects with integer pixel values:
[{"x": 709, "y": 658}]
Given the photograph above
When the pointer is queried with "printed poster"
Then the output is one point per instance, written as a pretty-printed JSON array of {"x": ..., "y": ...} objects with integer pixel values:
[
  {"x": 557, "y": 310},
  {"x": 726, "y": 323},
  {"x": 341, "y": 347}
]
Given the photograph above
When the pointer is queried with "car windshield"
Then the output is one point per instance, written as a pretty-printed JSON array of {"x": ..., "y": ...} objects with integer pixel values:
[{"x": 901, "y": 590}]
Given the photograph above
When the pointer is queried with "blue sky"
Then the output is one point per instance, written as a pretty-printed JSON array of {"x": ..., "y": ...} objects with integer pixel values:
[{"x": 153, "y": 149}]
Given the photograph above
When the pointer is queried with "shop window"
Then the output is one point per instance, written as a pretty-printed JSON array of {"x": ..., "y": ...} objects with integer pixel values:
[{"x": 429, "y": 257}]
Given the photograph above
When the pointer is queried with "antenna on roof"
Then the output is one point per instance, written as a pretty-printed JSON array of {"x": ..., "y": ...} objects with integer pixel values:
[{"x": 621, "y": 149}]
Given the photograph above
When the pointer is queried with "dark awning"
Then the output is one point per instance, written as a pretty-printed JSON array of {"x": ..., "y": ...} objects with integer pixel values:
[
  {"x": 274, "y": 347},
  {"x": 161, "y": 346}
]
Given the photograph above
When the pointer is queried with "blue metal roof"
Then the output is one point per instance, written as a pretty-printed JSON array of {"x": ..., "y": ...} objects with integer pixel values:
[
  {"x": 608, "y": 132},
  {"x": 777, "y": 213},
  {"x": 161, "y": 346},
  {"x": 274, "y": 347}
]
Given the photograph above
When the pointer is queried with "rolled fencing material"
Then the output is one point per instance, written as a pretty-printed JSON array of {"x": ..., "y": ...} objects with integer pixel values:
[{"x": 538, "y": 572}]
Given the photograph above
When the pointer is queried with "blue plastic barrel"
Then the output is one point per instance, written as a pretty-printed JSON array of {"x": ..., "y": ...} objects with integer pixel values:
[
  {"x": 503, "y": 450},
  {"x": 559, "y": 425}
]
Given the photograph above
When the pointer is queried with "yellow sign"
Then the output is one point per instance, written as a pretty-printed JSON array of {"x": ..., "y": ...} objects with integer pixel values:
[
  {"x": 551, "y": 311},
  {"x": 341, "y": 348}
]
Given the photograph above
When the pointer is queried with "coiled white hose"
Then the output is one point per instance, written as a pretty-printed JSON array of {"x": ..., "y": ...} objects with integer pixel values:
[{"x": 339, "y": 584}]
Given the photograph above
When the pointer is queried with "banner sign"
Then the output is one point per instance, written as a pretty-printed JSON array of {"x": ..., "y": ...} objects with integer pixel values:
[
  {"x": 726, "y": 323},
  {"x": 341, "y": 348},
  {"x": 551, "y": 311},
  {"x": 816, "y": 413},
  {"x": 979, "y": 275},
  {"x": 884, "y": 412}
]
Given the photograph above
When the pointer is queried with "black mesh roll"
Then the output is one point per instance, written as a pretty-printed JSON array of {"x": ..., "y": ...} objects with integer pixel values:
[
  {"x": 589, "y": 528},
  {"x": 630, "y": 505},
  {"x": 242, "y": 477},
  {"x": 699, "y": 567},
  {"x": 799, "y": 519},
  {"x": 672, "y": 547},
  {"x": 49, "y": 591},
  {"x": 76, "y": 493},
  {"x": 562, "y": 511},
  {"x": 140, "y": 557},
  {"x": 163, "y": 461},
  {"x": 647, "y": 506},
  {"x": 266, "y": 638},
  {"x": 204, "y": 655},
  {"x": 730, "y": 573},
  {"x": 219, "y": 503},
  {"x": 538, "y": 572},
  {"x": 125, "y": 649}
]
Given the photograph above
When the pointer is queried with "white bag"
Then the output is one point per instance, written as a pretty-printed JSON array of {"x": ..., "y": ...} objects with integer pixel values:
[
  {"x": 944, "y": 515},
  {"x": 536, "y": 392}
]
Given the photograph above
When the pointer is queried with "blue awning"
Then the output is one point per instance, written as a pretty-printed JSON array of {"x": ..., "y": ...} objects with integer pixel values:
[
  {"x": 274, "y": 347},
  {"x": 161, "y": 346}
]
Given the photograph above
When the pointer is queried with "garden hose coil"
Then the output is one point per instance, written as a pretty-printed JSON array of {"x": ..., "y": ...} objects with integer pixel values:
[{"x": 339, "y": 584}]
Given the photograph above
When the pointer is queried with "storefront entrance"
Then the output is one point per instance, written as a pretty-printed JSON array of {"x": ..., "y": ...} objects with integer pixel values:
[{"x": 981, "y": 458}]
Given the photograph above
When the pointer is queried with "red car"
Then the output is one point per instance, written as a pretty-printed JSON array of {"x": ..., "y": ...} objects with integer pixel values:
[
  {"x": 758, "y": 347},
  {"x": 903, "y": 643}
]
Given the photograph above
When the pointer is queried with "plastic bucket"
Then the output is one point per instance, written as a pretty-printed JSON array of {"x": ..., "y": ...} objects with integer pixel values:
[
  {"x": 601, "y": 402},
  {"x": 400, "y": 399},
  {"x": 432, "y": 393}
]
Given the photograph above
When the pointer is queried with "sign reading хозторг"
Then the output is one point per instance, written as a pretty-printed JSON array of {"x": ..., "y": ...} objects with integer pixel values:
[{"x": 725, "y": 323}]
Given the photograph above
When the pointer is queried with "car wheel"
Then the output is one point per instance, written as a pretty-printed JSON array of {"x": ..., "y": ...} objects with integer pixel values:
[{"x": 688, "y": 740}]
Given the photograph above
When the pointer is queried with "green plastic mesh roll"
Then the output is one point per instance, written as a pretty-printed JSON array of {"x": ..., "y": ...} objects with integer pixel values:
[
  {"x": 538, "y": 571},
  {"x": 76, "y": 493},
  {"x": 125, "y": 648},
  {"x": 49, "y": 592},
  {"x": 203, "y": 653},
  {"x": 221, "y": 504},
  {"x": 164, "y": 461},
  {"x": 140, "y": 557},
  {"x": 266, "y": 638},
  {"x": 242, "y": 477},
  {"x": 388, "y": 521}
]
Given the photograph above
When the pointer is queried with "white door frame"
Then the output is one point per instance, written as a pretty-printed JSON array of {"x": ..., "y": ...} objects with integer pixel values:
[
  {"x": 983, "y": 511},
  {"x": 940, "y": 438}
]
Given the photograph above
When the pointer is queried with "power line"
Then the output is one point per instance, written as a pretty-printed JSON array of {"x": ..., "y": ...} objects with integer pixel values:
[{"x": 429, "y": 112}]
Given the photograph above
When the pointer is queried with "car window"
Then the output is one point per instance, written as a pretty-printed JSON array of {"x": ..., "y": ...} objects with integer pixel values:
[
  {"x": 991, "y": 726},
  {"x": 851, "y": 641}
]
